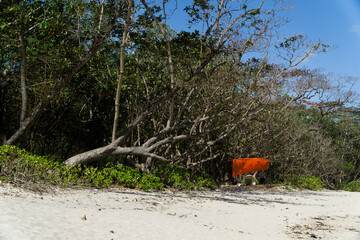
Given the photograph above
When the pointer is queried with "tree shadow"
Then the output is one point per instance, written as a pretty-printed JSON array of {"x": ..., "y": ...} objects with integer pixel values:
[{"x": 239, "y": 195}]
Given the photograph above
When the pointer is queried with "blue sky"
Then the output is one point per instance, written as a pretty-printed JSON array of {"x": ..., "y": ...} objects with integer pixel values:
[{"x": 335, "y": 22}]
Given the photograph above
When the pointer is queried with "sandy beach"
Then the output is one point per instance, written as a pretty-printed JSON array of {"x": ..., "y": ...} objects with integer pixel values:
[{"x": 229, "y": 213}]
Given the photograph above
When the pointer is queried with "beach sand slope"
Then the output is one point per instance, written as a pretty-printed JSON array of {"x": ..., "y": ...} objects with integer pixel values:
[{"x": 229, "y": 213}]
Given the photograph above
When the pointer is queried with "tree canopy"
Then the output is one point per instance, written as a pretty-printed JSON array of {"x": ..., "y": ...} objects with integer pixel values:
[{"x": 93, "y": 80}]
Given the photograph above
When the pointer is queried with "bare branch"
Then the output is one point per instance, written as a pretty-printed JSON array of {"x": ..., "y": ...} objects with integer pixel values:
[
  {"x": 169, "y": 55},
  {"x": 101, "y": 14}
]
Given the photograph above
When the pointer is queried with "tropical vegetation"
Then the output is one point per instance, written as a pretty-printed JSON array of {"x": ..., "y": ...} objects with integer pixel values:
[{"x": 113, "y": 92}]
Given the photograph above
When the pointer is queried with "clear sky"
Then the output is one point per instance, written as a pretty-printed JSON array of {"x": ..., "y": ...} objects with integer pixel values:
[{"x": 335, "y": 22}]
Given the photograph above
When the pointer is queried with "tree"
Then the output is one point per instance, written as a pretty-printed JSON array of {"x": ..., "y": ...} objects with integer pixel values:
[
  {"x": 217, "y": 110},
  {"x": 62, "y": 56},
  {"x": 232, "y": 88},
  {"x": 343, "y": 126}
]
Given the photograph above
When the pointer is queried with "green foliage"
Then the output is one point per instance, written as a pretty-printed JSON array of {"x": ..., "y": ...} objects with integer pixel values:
[
  {"x": 344, "y": 129},
  {"x": 353, "y": 186},
  {"x": 177, "y": 177},
  {"x": 288, "y": 42},
  {"x": 205, "y": 182},
  {"x": 149, "y": 182},
  {"x": 59, "y": 33},
  {"x": 311, "y": 182},
  {"x": 17, "y": 165}
]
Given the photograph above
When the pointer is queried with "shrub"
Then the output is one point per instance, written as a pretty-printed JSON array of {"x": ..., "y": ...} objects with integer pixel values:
[
  {"x": 311, "y": 182},
  {"x": 148, "y": 182},
  {"x": 18, "y": 165},
  {"x": 205, "y": 182},
  {"x": 178, "y": 177},
  {"x": 127, "y": 176},
  {"x": 353, "y": 186}
]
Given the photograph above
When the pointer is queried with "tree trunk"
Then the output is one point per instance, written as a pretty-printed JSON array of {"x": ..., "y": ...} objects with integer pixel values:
[
  {"x": 119, "y": 85},
  {"x": 36, "y": 112},
  {"x": 90, "y": 156},
  {"x": 24, "y": 98}
]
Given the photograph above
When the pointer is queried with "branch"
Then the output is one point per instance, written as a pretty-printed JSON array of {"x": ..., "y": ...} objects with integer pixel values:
[
  {"x": 19, "y": 19},
  {"x": 60, "y": 83},
  {"x": 102, "y": 14},
  {"x": 138, "y": 151},
  {"x": 171, "y": 139},
  {"x": 160, "y": 101},
  {"x": 168, "y": 48},
  {"x": 251, "y": 12},
  {"x": 202, "y": 161},
  {"x": 33, "y": 27},
  {"x": 110, "y": 150}
]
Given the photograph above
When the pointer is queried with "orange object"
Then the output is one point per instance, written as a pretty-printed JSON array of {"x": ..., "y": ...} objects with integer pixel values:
[{"x": 246, "y": 165}]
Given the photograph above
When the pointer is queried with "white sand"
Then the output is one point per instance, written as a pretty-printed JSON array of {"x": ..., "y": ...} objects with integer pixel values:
[{"x": 129, "y": 214}]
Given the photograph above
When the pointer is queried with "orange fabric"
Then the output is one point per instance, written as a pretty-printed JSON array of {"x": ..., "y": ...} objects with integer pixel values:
[
  {"x": 246, "y": 165},
  {"x": 237, "y": 166}
]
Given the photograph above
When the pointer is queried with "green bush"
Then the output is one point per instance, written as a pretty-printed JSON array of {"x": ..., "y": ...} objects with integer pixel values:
[
  {"x": 205, "y": 182},
  {"x": 311, "y": 182},
  {"x": 17, "y": 165},
  {"x": 149, "y": 182},
  {"x": 178, "y": 177},
  {"x": 127, "y": 175},
  {"x": 353, "y": 186}
]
